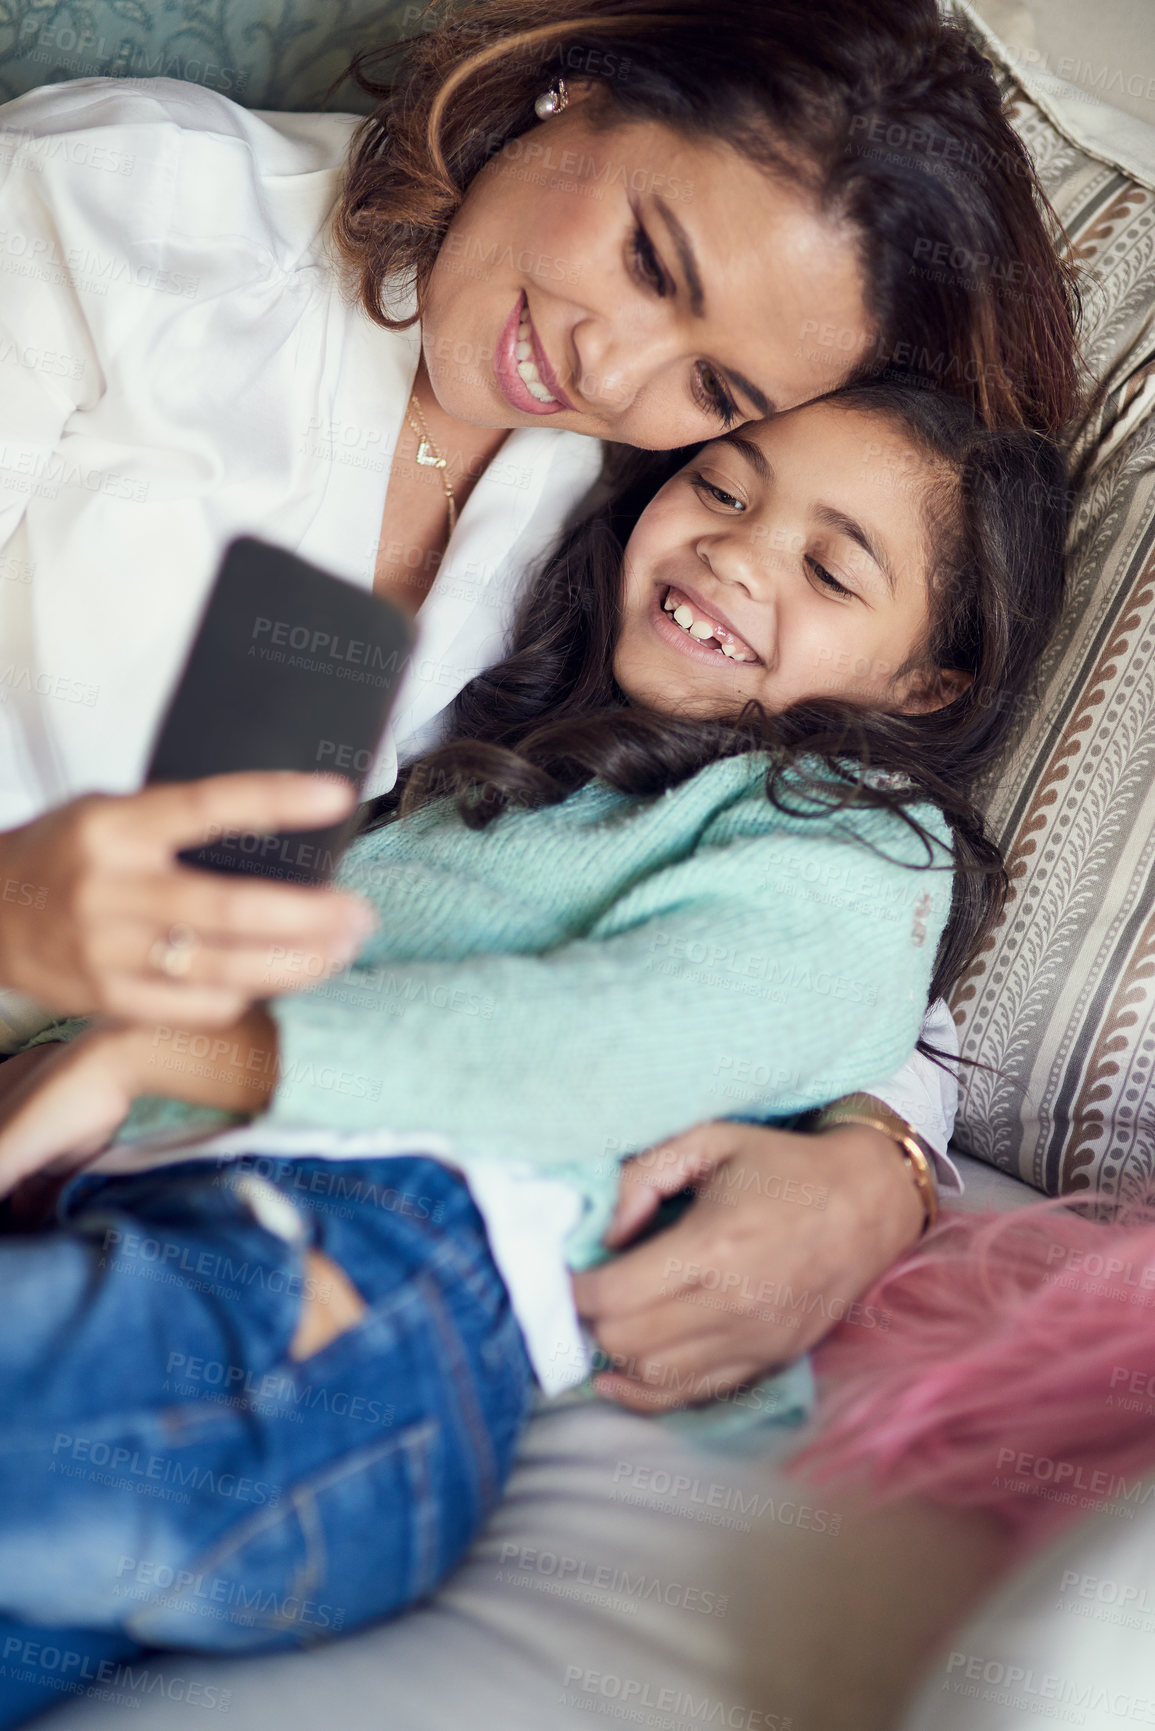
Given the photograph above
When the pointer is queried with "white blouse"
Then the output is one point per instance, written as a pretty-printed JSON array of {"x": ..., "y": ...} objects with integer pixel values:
[{"x": 180, "y": 363}]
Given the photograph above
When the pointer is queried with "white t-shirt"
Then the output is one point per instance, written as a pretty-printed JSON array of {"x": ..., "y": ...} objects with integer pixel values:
[{"x": 181, "y": 363}]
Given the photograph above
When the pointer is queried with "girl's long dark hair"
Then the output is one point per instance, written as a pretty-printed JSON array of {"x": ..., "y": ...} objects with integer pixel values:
[
  {"x": 550, "y": 716},
  {"x": 885, "y": 114}
]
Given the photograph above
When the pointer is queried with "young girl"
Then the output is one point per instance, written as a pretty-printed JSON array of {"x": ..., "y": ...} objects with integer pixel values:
[{"x": 687, "y": 853}]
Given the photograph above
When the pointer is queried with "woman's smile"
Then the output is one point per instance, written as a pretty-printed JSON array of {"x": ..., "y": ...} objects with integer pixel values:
[
  {"x": 616, "y": 310},
  {"x": 525, "y": 377}
]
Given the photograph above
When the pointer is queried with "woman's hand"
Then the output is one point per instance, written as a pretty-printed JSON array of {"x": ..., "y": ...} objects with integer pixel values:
[
  {"x": 87, "y": 890},
  {"x": 786, "y": 1231},
  {"x": 61, "y": 1104}
]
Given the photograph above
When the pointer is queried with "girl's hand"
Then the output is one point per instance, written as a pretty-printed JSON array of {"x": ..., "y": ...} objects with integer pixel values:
[
  {"x": 65, "y": 1107},
  {"x": 14, "y": 1072},
  {"x": 786, "y": 1231},
  {"x": 89, "y": 890}
]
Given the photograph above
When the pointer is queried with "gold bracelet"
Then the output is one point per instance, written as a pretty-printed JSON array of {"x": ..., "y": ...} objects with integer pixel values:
[{"x": 877, "y": 1115}]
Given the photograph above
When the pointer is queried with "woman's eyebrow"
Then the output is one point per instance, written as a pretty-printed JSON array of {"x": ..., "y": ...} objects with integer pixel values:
[
  {"x": 684, "y": 248},
  {"x": 844, "y": 525},
  {"x": 760, "y": 400}
]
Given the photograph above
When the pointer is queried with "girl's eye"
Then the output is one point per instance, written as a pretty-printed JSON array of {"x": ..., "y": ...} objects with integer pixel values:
[
  {"x": 712, "y": 397},
  {"x": 647, "y": 264},
  {"x": 719, "y": 494},
  {"x": 827, "y": 581}
]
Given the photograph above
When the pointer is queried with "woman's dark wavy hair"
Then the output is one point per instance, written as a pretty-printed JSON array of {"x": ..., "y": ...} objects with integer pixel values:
[
  {"x": 888, "y": 117},
  {"x": 550, "y": 716}
]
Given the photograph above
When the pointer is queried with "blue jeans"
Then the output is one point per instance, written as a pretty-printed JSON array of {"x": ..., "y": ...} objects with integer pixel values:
[{"x": 170, "y": 1477}]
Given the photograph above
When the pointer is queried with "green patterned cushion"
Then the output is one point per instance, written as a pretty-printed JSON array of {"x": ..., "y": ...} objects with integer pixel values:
[
  {"x": 265, "y": 53},
  {"x": 1061, "y": 1005}
]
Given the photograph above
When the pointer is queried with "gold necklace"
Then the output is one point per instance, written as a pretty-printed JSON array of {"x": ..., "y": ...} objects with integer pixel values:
[{"x": 429, "y": 455}]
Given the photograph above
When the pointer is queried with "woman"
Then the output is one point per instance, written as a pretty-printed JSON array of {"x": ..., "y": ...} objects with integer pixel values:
[{"x": 606, "y": 226}]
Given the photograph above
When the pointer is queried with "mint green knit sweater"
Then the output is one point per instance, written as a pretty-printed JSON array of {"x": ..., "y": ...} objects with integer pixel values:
[{"x": 577, "y": 982}]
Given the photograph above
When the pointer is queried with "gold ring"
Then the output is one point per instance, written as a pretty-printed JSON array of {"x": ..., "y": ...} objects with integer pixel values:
[{"x": 172, "y": 955}]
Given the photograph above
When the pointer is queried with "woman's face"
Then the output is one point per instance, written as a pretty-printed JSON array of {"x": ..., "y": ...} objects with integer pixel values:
[
  {"x": 632, "y": 284},
  {"x": 784, "y": 563}
]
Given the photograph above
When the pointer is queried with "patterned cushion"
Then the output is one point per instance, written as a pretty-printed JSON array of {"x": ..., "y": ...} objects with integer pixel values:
[
  {"x": 1061, "y": 1004},
  {"x": 281, "y": 54}
]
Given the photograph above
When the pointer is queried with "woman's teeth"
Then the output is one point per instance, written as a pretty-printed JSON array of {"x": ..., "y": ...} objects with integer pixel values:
[
  {"x": 702, "y": 630},
  {"x": 527, "y": 366}
]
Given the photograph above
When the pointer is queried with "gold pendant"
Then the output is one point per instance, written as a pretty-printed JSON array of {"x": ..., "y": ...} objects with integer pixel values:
[{"x": 427, "y": 457}]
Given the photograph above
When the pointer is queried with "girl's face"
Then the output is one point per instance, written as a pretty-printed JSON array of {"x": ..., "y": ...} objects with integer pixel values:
[
  {"x": 786, "y": 562},
  {"x": 632, "y": 284}
]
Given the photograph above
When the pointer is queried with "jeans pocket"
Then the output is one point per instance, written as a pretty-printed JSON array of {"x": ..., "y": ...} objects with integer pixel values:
[{"x": 356, "y": 1540}]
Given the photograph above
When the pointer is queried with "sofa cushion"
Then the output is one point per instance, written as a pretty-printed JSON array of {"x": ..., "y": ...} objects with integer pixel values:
[
  {"x": 1065, "y": 1639},
  {"x": 281, "y": 54},
  {"x": 1060, "y": 1006},
  {"x": 625, "y": 1579}
]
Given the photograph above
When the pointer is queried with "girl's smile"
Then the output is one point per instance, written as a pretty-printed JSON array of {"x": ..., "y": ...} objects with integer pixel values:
[{"x": 687, "y": 625}]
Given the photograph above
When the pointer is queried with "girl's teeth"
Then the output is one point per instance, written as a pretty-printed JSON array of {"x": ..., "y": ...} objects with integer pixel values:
[
  {"x": 524, "y": 351},
  {"x": 701, "y": 629}
]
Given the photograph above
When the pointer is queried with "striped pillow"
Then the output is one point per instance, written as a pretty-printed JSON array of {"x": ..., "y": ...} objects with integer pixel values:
[{"x": 1061, "y": 1003}]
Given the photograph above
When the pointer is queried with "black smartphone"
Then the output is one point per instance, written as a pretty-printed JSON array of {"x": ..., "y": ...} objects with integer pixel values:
[{"x": 291, "y": 668}]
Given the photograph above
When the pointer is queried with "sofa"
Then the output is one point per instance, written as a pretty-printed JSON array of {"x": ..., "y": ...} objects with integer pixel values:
[{"x": 632, "y": 1572}]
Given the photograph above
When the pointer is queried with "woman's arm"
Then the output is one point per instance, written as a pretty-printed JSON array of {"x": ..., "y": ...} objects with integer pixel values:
[{"x": 925, "y": 1093}]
